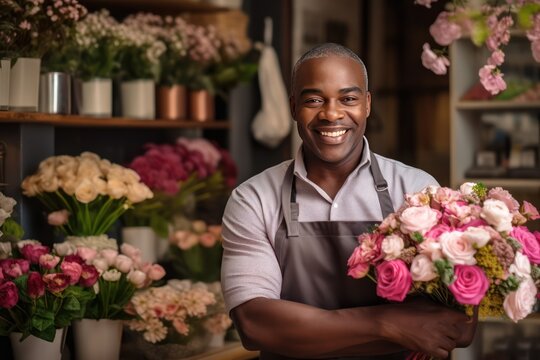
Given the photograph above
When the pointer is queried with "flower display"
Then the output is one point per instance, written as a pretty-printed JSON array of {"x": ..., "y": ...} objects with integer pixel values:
[
  {"x": 489, "y": 23},
  {"x": 84, "y": 194},
  {"x": 196, "y": 251},
  {"x": 464, "y": 248},
  {"x": 181, "y": 175},
  {"x": 41, "y": 290},
  {"x": 170, "y": 313},
  {"x": 118, "y": 274},
  {"x": 29, "y": 28},
  {"x": 9, "y": 228}
]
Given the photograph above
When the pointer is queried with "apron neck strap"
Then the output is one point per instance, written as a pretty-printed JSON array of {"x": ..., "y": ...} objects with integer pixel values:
[{"x": 385, "y": 201}]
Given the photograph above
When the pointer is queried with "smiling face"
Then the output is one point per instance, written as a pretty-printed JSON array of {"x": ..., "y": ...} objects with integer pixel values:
[{"x": 330, "y": 104}]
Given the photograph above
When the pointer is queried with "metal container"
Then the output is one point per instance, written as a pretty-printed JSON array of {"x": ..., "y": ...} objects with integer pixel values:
[{"x": 55, "y": 93}]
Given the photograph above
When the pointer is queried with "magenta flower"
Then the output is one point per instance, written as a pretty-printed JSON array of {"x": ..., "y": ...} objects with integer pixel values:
[
  {"x": 13, "y": 268},
  {"x": 32, "y": 252},
  {"x": 48, "y": 261},
  {"x": 470, "y": 284},
  {"x": 73, "y": 270},
  {"x": 530, "y": 242},
  {"x": 9, "y": 295},
  {"x": 89, "y": 276},
  {"x": 393, "y": 280},
  {"x": 56, "y": 283},
  {"x": 35, "y": 285}
]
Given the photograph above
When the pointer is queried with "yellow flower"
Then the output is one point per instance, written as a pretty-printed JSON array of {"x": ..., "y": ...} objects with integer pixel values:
[{"x": 488, "y": 261}]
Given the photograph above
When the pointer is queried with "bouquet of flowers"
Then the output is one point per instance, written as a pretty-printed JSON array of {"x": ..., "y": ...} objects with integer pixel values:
[
  {"x": 29, "y": 28},
  {"x": 118, "y": 276},
  {"x": 9, "y": 228},
  {"x": 40, "y": 290},
  {"x": 181, "y": 176},
  {"x": 463, "y": 248},
  {"x": 84, "y": 194},
  {"x": 196, "y": 251},
  {"x": 488, "y": 23},
  {"x": 170, "y": 313}
]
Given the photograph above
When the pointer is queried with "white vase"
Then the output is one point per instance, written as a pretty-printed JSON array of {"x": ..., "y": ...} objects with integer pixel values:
[
  {"x": 24, "y": 84},
  {"x": 96, "y": 97},
  {"x": 143, "y": 238},
  {"x": 5, "y": 71},
  {"x": 97, "y": 339},
  {"x": 138, "y": 99},
  {"x": 33, "y": 347},
  {"x": 216, "y": 340}
]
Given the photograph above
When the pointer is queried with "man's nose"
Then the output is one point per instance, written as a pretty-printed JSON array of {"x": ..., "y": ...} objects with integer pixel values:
[{"x": 331, "y": 112}]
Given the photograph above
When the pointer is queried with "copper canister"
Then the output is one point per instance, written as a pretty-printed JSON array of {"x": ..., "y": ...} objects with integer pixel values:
[
  {"x": 201, "y": 105},
  {"x": 171, "y": 102}
]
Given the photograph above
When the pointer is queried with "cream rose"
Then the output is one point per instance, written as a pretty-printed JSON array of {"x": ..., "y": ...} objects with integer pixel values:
[
  {"x": 88, "y": 169},
  {"x": 457, "y": 249},
  {"x": 467, "y": 188},
  {"x": 138, "y": 192},
  {"x": 521, "y": 266},
  {"x": 30, "y": 186},
  {"x": 48, "y": 182},
  {"x": 431, "y": 248},
  {"x": 422, "y": 268},
  {"x": 86, "y": 191},
  {"x": 392, "y": 246},
  {"x": 116, "y": 188},
  {"x": 496, "y": 213},
  {"x": 478, "y": 237},
  {"x": 418, "y": 219},
  {"x": 100, "y": 184},
  {"x": 518, "y": 304}
]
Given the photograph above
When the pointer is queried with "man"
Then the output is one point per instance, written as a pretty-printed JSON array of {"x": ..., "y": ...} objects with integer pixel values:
[{"x": 289, "y": 231}]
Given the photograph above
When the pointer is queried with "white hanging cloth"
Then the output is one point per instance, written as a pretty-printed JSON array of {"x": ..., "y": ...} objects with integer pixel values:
[{"x": 272, "y": 123}]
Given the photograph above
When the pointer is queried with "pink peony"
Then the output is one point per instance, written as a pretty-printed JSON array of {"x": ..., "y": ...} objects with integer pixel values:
[
  {"x": 418, "y": 219},
  {"x": 58, "y": 218},
  {"x": 56, "y": 282},
  {"x": 518, "y": 304},
  {"x": 13, "y": 268},
  {"x": 492, "y": 79},
  {"x": 35, "y": 285},
  {"x": 9, "y": 295},
  {"x": 444, "y": 31},
  {"x": 32, "y": 252},
  {"x": 48, "y": 261},
  {"x": 87, "y": 254},
  {"x": 530, "y": 211},
  {"x": 470, "y": 284},
  {"x": 73, "y": 270},
  {"x": 431, "y": 61},
  {"x": 74, "y": 258},
  {"x": 530, "y": 242},
  {"x": 89, "y": 276},
  {"x": 393, "y": 280}
]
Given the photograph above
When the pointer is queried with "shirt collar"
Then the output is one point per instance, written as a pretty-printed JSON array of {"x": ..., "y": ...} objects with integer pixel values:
[{"x": 300, "y": 166}]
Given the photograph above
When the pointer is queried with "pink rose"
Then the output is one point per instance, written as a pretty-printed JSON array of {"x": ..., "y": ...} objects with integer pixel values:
[
  {"x": 87, "y": 254},
  {"x": 358, "y": 270},
  {"x": 48, "y": 261},
  {"x": 32, "y": 252},
  {"x": 123, "y": 263},
  {"x": 436, "y": 231},
  {"x": 457, "y": 248},
  {"x": 443, "y": 30},
  {"x": 72, "y": 270},
  {"x": 58, "y": 218},
  {"x": 56, "y": 282},
  {"x": 431, "y": 61},
  {"x": 9, "y": 295},
  {"x": 155, "y": 272},
  {"x": 422, "y": 268},
  {"x": 89, "y": 276},
  {"x": 518, "y": 304},
  {"x": 35, "y": 285},
  {"x": 418, "y": 219},
  {"x": 530, "y": 211},
  {"x": 470, "y": 284},
  {"x": 530, "y": 242},
  {"x": 391, "y": 246},
  {"x": 393, "y": 280},
  {"x": 13, "y": 268}
]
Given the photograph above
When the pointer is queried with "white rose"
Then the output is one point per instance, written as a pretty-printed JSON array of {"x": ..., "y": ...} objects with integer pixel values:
[
  {"x": 391, "y": 246},
  {"x": 138, "y": 192},
  {"x": 418, "y": 219},
  {"x": 431, "y": 190},
  {"x": 457, "y": 249},
  {"x": 85, "y": 191},
  {"x": 518, "y": 304},
  {"x": 496, "y": 213},
  {"x": 422, "y": 268},
  {"x": 104, "y": 166},
  {"x": 116, "y": 188},
  {"x": 477, "y": 236},
  {"x": 130, "y": 175},
  {"x": 5, "y": 249},
  {"x": 64, "y": 249},
  {"x": 88, "y": 169},
  {"x": 6, "y": 203},
  {"x": 467, "y": 188},
  {"x": 87, "y": 155},
  {"x": 521, "y": 266},
  {"x": 111, "y": 275}
]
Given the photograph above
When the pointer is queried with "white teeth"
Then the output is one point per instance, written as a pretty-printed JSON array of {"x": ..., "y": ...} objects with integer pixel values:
[{"x": 333, "y": 133}]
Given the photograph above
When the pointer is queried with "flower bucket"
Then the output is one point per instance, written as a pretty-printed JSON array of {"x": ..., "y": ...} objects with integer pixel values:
[
  {"x": 5, "y": 71},
  {"x": 97, "y": 339},
  {"x": 143, "y": 238},
  {"x": 55, "y": 93},
  {"x": 96, "y": 98},
  {"x": 24, "y": 84},
  {"x": 33, "y": 347},
  {"x": 138, "y": 99},
  {"x": 171, "y": 102},
  {"x": 216, "y": 340},
  {"x": 201, "y": 105}
]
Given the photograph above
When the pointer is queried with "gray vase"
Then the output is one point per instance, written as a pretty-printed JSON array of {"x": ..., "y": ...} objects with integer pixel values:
[{"x": 55, "y": 93}]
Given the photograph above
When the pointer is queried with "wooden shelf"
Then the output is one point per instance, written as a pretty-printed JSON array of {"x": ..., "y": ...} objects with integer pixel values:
[
  {"x": 230, "y": 351},
  {"x": 145, "y": 5},
  {"x": 498, "y": 105},
  {"x": 115, "y": 122}
]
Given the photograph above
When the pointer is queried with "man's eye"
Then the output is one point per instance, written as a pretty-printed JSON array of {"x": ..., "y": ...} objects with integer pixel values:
[
  {"x": 313, "y": 101},
  {"x": 349, "y": 99}
]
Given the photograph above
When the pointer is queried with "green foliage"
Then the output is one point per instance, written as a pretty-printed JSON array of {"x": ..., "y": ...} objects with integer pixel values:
[
  {"x": 445, "y": 271},
  {"x": 417, "y": 237}
]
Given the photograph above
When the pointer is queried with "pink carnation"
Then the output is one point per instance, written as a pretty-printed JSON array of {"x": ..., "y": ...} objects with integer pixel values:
[
  {"x": 470, "y": 284},
  {"x": 393, "y": 280}
]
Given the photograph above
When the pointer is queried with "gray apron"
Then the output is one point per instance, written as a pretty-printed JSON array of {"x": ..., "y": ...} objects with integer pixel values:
[{"x": 313, "y": 257}]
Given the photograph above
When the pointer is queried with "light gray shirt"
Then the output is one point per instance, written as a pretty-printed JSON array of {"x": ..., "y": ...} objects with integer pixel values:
[{"x": 253, "y": 214}]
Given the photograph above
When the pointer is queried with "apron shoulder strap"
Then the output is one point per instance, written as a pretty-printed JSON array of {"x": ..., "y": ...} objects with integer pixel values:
[
  {"x": 385, "y": 201},
  {"x": 289, "y": 205}
]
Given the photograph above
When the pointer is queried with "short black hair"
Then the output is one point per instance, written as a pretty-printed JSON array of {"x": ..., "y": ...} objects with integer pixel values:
[{"x": 327, "y": 50}]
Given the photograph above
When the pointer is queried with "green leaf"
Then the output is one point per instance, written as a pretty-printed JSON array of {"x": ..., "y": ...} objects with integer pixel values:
[
  {"x": 417, "y": 237},
  {"x": 45, "y": 334},
  {"x": 516, "y": 245},
  {"x": 43, "y": 320},
  {"x": 480, "y": 190},
  {"x": 71, "y": 304},
  {"x": 445, "y": 271},
  {"x": 526, "y": 14},
  {"x": 12, "y": 228},
  {"x": 159, "y": 225},
  {"x": 480, "y": 32}
]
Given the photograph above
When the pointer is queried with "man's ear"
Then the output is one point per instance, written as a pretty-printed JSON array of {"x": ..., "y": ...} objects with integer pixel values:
[
  {"x": 292, "y": 105},
  {"x": 368, "y": 103}
]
